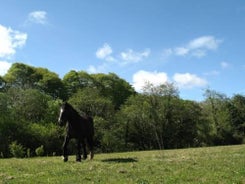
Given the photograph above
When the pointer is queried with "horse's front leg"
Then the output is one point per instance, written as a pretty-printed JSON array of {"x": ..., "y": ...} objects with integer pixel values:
[
  {"x": 65, "y": 152},
  {"x": 78, "y": 157}
]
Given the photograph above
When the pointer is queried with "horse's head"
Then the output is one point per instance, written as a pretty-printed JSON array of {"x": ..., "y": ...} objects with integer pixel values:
[{"x": 63, "y": 117}]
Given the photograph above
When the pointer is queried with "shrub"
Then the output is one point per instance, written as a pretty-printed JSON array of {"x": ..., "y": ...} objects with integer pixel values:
[
  {"x": 17, "y": 150},
  {"x": 28, "y": 152},
  {"x": 40, "y": 151}
]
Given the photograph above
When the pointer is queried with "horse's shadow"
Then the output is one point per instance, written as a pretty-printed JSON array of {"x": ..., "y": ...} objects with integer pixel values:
[{"x": 120, "y": 160}]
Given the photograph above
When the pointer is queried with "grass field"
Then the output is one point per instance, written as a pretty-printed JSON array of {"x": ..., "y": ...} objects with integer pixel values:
[{"x": 210, "y": 165}]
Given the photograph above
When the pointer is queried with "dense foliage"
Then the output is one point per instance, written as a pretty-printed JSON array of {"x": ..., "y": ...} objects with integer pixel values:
[{"x": 124, "y": 120}]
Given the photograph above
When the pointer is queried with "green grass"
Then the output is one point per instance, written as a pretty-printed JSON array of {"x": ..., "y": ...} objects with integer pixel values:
[{"x": 201, "y": 165}]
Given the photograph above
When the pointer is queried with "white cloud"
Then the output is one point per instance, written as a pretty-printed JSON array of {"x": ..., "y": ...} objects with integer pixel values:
[
  {"x": 204, "y": 42},
  {"x": 97, "y": 69},
  {"x": 182, "y": 80},
  {"x": 105, "y": 53},
  {"x": 181, "y": 51},
  {"x": 141, "y": 77},
  {"x": 187, "y": 80},
  {"x": 129, "y": 56},
  {"x": 10, "y": 40},
  {"x": 92, "y": 69},
  {"x": 224, "y": 65},
  {"x": 4, "y": 67},
  {"x": 197, "y": 47},
  {"x": 132, "y": 56},
  {"x": 38, "y": 17}
]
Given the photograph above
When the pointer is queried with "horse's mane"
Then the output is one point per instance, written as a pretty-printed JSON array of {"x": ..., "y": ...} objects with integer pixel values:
[{"x": 72, "y": 110}]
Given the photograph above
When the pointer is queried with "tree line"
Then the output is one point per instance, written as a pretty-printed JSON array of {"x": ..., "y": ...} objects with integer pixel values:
[{"x": 157, "y": 118}]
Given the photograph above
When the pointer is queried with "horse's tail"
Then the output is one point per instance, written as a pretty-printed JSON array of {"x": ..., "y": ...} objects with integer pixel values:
[
  {"x": 90, "y": 139},
  {"x": 91, "y": 122}
]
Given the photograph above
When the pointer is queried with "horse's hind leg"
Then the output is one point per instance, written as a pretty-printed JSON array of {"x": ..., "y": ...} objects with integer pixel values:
[
  {"x": 65, "y": 153},
  {"x": 78, "y": 157},
  {"x": 91, "y": 147},
  {"x": 84, "y": 150}
]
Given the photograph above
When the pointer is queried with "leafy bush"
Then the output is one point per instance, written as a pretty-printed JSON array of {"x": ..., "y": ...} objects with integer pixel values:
[
  {"x": 39, "y": 151},
  {"x": 28, "y": 152},
  {"x": 17, "y": 150}
]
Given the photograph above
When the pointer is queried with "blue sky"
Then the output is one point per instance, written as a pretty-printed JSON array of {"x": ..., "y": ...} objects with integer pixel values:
[{"x": 194, "y": 44}]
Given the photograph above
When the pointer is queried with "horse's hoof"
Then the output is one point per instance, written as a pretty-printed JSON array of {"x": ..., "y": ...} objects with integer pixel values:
[
  {"x": 91, "y": 156},
  {"x": 78, "y": 158},
  {"x": 65, "y": 159}
]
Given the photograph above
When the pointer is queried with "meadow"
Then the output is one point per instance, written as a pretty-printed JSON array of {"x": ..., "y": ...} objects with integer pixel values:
[{"x": 223, "y": 165}]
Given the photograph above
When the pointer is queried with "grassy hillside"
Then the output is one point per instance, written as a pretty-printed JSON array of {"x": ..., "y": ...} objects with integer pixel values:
[{"x": 201, "y": 165}]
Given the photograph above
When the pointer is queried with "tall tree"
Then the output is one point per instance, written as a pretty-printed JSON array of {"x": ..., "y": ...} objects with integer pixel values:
[
  {"x": 50, "y": 83},
  {"x": 28, "y": 104},
  {"x": 113, "y": 87},
  {"x": 237, "y": 113},
  {"x": 135, "y": 117},
  {"x": 22, "y": 76},
  {"x": 185, "y": 125},
  {"x": 216, "y": 109},
  {"x": 149, "y": 116},
  {"x": 89, "y": 102},
  {"x": 74, "y": 81},
  {"x": 161, "y": 101}
]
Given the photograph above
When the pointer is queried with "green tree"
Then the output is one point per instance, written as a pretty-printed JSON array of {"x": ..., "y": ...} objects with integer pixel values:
[
  {"x": 237, "y": 113},
  {"x": 74, "y": 81},
  {"x": 25, "y": 77},
  {"x": 160, "y": 119},
  {"x": 109, "y": 85},
  {"x": 113, "y": 87},
  {"x": 148, "y": 116},
  {"x": 52, "y": 111},
  {"x": 50, "y": 83},
  {"x": 21, "y": 76},
  {"x": 135, "y": 117},
  {"x": 5, "y": 124},
  {"x": 186, "y": 124},
  {"x": 161, "y": 100},
  {"x": 29, "y": 104},
  {"x": 217, "y": 112},
  {"x": 90, "y": 102}
]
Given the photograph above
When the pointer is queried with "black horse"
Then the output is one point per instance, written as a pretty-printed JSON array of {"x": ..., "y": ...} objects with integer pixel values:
[{"x": 79, "y": 128}]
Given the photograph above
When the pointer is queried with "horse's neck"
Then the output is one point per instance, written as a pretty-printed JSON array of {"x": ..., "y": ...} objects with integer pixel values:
[{"x": 74, "y": 116}]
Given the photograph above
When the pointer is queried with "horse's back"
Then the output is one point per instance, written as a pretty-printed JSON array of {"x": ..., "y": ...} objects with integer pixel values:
[{"x": 90, "y": 125}]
